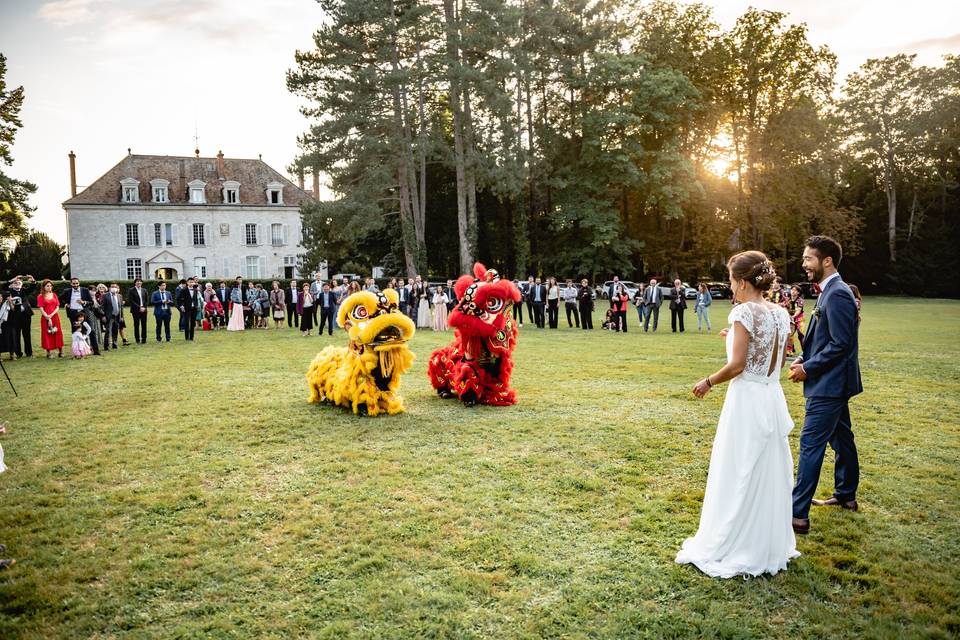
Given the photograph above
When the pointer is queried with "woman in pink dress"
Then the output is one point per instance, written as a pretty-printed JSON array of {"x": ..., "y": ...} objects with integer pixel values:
[
  {"x": 440, "y": 301},
  {"x": 51, "y": 334}
]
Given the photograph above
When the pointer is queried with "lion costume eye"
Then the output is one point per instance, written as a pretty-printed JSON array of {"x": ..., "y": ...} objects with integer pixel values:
[
  {"x": 360, "y": 313},
  {"x": 494, "y": 304}
]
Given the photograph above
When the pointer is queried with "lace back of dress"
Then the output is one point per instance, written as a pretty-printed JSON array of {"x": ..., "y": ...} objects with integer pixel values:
[{"x": 767, "y": 329}]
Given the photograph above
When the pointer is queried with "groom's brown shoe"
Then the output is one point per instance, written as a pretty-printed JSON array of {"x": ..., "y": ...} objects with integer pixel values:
[
  {"x": 832, "y": 502},
  {"x": 801, "y": 526}
]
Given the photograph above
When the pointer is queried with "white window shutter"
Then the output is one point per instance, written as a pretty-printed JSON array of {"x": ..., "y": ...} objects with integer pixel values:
[
  {"x": 187, "y": 234},
  {"x": 175, "y": 233},
  {"x": 123, "y": 235},
  {"x": 123, "y": 268},
  {"x": 207, "y": 238},
  {"x": 226, "y": 267},
  {"x": 145, "y": 235},
  {"x": 286, "y": 234},
  {"x": 259, "y": 234}
]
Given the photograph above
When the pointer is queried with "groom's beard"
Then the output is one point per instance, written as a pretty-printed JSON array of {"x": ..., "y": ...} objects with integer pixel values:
[{"x": 815, "y": 275}]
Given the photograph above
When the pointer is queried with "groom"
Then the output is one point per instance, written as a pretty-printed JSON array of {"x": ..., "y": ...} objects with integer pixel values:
[{"x": 830, "y": 372}]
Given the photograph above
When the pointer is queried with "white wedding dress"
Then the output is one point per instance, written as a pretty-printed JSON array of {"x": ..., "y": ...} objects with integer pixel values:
[{"x": 745, "y": 525}]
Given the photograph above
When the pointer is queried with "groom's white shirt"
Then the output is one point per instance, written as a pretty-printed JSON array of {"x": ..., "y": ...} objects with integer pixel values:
[{"x": 823, "y": 283}]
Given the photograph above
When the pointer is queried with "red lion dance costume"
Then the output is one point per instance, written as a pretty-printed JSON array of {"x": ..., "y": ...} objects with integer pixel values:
[{"x": 476, "y": 366}]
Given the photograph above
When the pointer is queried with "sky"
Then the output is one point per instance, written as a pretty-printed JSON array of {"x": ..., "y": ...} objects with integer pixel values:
[{"x": 102, "y": 76}]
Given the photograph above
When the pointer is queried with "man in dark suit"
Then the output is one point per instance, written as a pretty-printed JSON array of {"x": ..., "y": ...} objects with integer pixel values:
[
  {"x": 113, "y": 312},
  {"x": 326, "y": 304},
  {"x": 612, "y": 290},
  {"x": 223, "y": 295},
  {"x": 17, "y": 328},
  {"x": 138, "y": 300},
  {"x": 176, "y": 296},
  {"x": 188, "y": 301},
  {"x": 652, "y": 299},
  {"x": 537, "y": 297},
  {"x": 451, "y": 296},
  {"x": 678, "y": 304},
  {"x": 403, "y": 293},
  {"x": 830, "y": 371},
  {"x": 526, "y": 296},
  {"x": 78, "y": 302},
  {"x": 290, "y": 297}
]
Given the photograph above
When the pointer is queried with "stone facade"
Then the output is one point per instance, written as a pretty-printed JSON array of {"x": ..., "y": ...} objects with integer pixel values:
[{"x": 175, "y": 217}]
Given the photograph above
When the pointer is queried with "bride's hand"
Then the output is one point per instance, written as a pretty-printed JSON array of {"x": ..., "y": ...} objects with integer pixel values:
[
  {"x": 701, "y": 388},
  {"x": 723, "y": 332}
]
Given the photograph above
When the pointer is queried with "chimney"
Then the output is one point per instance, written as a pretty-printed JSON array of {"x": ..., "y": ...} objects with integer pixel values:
[
  {"x": 316, "y": 184},
  {"x": 300, "y": 179},
  {"x": 220, "y": 170},
  {"x": 73, "y": 174}
]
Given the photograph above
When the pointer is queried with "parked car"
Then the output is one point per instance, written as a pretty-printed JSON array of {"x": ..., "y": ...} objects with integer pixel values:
[
  {"x": 666, "y": 290},
  {"x": 720, "y": 290},
  {"x": 629, "y": 286}
]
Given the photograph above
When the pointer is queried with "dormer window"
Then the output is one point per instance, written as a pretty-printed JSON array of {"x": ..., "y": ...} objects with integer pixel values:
[
  {"x": 129, "y": 190},
  {"x": 197, "y": 192},
  {"x": 275, "y": 193},
  {"x": 231, "y": 192},
  {"x": 159, "y": 187}
]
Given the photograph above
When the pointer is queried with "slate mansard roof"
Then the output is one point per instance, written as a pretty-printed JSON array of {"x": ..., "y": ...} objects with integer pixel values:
[{"x": 253, "y": 176}]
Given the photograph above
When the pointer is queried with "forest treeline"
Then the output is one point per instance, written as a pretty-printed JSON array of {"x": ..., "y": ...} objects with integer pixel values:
[{"x": 585, "y": 139}]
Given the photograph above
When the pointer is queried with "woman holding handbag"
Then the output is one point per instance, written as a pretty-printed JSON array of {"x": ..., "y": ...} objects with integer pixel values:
[{"x": 277, "y": 305}]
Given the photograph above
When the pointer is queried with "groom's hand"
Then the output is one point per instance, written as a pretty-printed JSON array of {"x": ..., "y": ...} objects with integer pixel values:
[{"x": 797, "y": 374}]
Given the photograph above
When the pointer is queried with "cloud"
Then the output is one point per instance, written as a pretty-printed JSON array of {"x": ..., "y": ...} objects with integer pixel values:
[
  {"x": 949, "y": 44},
  {"x": 67, "y": 13}
]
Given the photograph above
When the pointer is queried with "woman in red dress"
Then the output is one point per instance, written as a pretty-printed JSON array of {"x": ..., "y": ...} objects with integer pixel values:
[{"x": 51, "y": 335}]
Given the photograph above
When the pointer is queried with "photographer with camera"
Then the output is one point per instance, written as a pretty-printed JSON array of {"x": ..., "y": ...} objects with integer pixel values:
[{"x": 17, "y": 326}]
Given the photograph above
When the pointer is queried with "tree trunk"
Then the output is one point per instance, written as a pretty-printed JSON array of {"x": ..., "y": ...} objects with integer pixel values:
[
  {"x": 913, "y": 213},
  {"x": 453, "y": 70},
  {"x": 409, "y": 202},
  {"x": 891, "y": 191},
  {"x": 422, "y": 144},
  {"x": 473, "y": 222}
]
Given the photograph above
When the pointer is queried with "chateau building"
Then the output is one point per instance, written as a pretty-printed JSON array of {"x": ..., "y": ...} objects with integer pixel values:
[{"x": 171, "y": 217}]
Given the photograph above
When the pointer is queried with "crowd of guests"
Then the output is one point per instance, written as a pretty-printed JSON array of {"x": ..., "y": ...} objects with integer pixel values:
[{"x": 97, "y": 322}]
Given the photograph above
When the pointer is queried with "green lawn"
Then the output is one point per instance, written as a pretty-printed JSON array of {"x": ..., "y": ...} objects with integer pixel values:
[{"x": 188, "y": 490}]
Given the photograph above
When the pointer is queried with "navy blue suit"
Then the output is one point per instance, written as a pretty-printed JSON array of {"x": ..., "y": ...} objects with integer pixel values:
[{"x": 831, "y": 362}]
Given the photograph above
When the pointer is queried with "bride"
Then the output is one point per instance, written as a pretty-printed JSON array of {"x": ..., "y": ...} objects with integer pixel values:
[{"x": 745, "y": 525}]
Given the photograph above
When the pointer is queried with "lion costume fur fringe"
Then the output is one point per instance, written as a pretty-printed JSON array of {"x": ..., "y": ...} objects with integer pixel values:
[{"x": 365, "y": 374}]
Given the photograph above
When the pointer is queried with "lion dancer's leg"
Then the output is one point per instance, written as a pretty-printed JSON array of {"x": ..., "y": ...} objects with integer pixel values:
[
  {"x": 440, "y": 371},
  {"x": 495, "y": 390},
  {"x": 468, "y": 382}
]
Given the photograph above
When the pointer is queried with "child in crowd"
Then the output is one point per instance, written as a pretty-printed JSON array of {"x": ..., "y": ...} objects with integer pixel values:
[
  {"x": 610, "y": 322},
  {"x": 81, "y": 339}
]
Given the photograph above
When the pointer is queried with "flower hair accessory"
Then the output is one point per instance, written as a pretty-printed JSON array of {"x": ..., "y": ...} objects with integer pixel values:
[{"x": 765, "y": 267}]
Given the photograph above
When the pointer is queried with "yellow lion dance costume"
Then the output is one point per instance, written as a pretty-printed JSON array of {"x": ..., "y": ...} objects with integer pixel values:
[{"x": 365, "y": 374}]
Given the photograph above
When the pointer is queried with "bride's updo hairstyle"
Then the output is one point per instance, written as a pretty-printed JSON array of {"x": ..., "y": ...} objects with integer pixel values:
[{"x": 753, "y": 267}]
